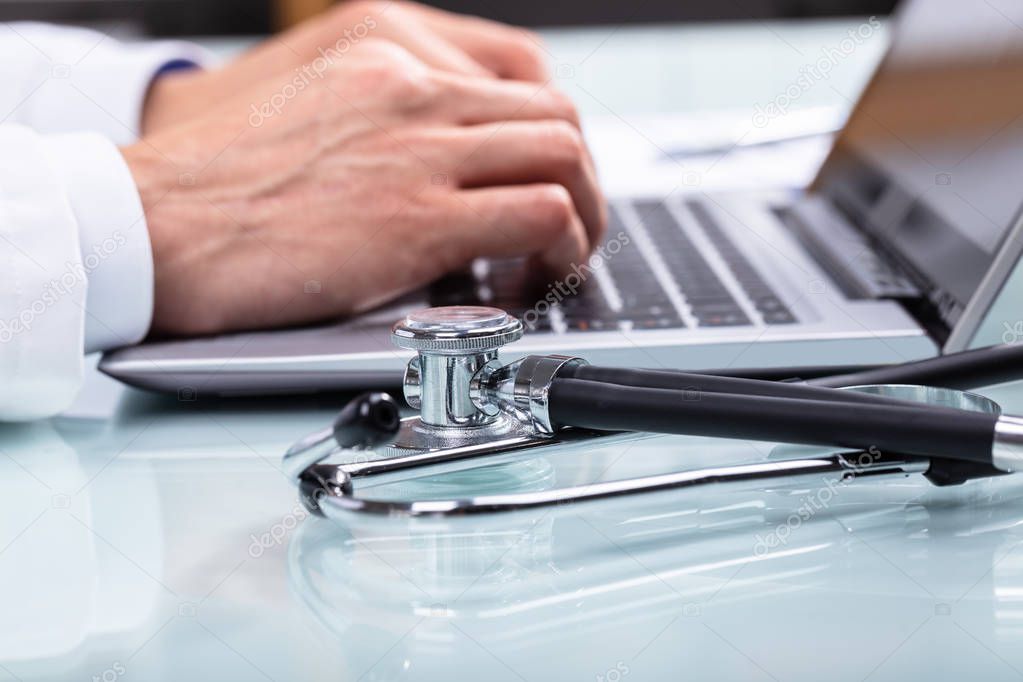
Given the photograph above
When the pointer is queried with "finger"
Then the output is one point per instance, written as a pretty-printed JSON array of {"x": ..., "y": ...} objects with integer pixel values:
[
  {"x": 469, "y": 101},
  {"x": 521, "y": 152},
  {"x": 508, "y": 51},
  {"x": 435, "y": 50},
  {"x": 522, "y": 220}
]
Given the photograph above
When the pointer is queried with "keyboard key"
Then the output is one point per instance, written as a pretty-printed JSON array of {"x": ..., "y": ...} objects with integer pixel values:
[
  {"x": 537, "y": 324},
  {"x": 595, "y": 324},
  {"x": 659, "y": 322},
  {"x": 780, "y": 317},
  {"x": 724, "y": 320},
  {"x": 455, "y": 289}
]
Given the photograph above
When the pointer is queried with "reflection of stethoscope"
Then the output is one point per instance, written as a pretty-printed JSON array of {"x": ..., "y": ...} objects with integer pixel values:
[
  {"x": 472, "y": 406},
  {"x": 528, "y": 585}
]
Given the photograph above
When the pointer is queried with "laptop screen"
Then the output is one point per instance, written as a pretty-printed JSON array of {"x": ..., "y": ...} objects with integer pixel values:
[{"x": 931, "y": 159}]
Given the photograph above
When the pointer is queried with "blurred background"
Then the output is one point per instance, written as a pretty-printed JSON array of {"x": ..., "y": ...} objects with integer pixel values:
[{"x": 246, "y": 17}]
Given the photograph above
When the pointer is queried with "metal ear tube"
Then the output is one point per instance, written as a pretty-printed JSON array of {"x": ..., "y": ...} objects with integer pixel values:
[{"x": 474, "y": 410}]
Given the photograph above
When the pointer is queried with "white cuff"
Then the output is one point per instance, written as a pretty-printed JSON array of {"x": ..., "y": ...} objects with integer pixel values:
[
  {"x": 88, "y": 81},
  {"x": 42, "y": 300},
  {"x": 117, "y": 260}
]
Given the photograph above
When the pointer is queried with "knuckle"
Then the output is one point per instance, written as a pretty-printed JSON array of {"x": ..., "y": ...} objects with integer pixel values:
[
  {"x": 531, "y": 38},
  {"x": 430, "y": 143},
  {"x": 566, "y": 142},
  {"x": 391, "y": 70},
  {"x": 382, "y": 51},
  {"x": 527, "y": 49},
  {"x": 359, "y": 8},
  {"x": 554, "y": 206},
  {"x": 563, "y": 107}
]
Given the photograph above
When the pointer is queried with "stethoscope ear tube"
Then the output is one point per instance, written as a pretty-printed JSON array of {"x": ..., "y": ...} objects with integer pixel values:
[{"x": 963, "y": 370}]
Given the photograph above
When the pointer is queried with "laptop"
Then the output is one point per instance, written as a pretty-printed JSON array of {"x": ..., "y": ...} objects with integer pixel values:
[{"x": 897, "y": 251}]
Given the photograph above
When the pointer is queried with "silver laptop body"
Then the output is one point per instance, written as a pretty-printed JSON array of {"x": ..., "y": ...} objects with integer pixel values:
[{"x": 897, "y": 251}]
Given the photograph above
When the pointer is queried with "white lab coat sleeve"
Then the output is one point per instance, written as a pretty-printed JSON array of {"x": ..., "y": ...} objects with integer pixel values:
[
  {"x": 113, "y": 239},
  {"x": 41, "y": 309},
  {"x": 54, "y": 191},
  {"x": 78, "y": 271},
  {"x": 60, "y": 79}
]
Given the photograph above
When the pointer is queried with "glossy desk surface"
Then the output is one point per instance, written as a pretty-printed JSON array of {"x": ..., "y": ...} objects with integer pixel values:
[{"x": 149, "y": 538}]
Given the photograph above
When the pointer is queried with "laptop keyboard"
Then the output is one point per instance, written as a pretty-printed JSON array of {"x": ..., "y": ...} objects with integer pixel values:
[
  {"x": 767, "y": 303},
  {"x": 627, "y": 291},
  {"x": 708, "y": 298}
]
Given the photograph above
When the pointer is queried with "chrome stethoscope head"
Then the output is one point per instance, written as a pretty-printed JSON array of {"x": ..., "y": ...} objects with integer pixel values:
[
  {"x": 470, "y": 405},
  {"x": 458, "y": 383}
]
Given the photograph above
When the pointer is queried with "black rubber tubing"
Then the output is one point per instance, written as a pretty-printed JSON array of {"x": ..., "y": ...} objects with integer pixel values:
[
  {"x": 684, "y": 381},
  {"x": 923, "y": 431},
  {"x": 796, "y": 373},
  {"x": 963, "y": 370}
]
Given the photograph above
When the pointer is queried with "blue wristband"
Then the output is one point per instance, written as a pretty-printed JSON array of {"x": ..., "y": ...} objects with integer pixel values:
[{"x": 175, "y": 65}]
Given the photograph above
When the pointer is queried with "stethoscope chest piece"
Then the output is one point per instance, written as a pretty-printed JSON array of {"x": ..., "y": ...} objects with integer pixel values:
[
  {"x": 465, "y": 396},
  {"x": 453, "y": 346}
]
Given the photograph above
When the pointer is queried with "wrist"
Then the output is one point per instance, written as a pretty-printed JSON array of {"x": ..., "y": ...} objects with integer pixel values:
[
  {"x": 152, "y": 173},
  {"x": 173, "y": 97},
  {"x": 177, "y": 219}
]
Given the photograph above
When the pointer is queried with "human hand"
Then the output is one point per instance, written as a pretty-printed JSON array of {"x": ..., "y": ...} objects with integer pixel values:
[
  {"x": 375, "y": 180},
  {"x": 446, "y": 41}
]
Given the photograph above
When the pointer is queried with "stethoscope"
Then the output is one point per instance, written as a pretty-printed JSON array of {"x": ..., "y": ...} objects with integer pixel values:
[{"x": 913, "y": 418}]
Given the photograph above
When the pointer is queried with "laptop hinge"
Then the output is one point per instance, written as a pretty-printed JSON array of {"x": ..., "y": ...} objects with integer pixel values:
[{"x": 853, "y": 260}]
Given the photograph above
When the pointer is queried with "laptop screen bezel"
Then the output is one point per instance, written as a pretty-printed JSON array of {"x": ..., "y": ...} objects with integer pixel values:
[{"x": 835, "y": 177}]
